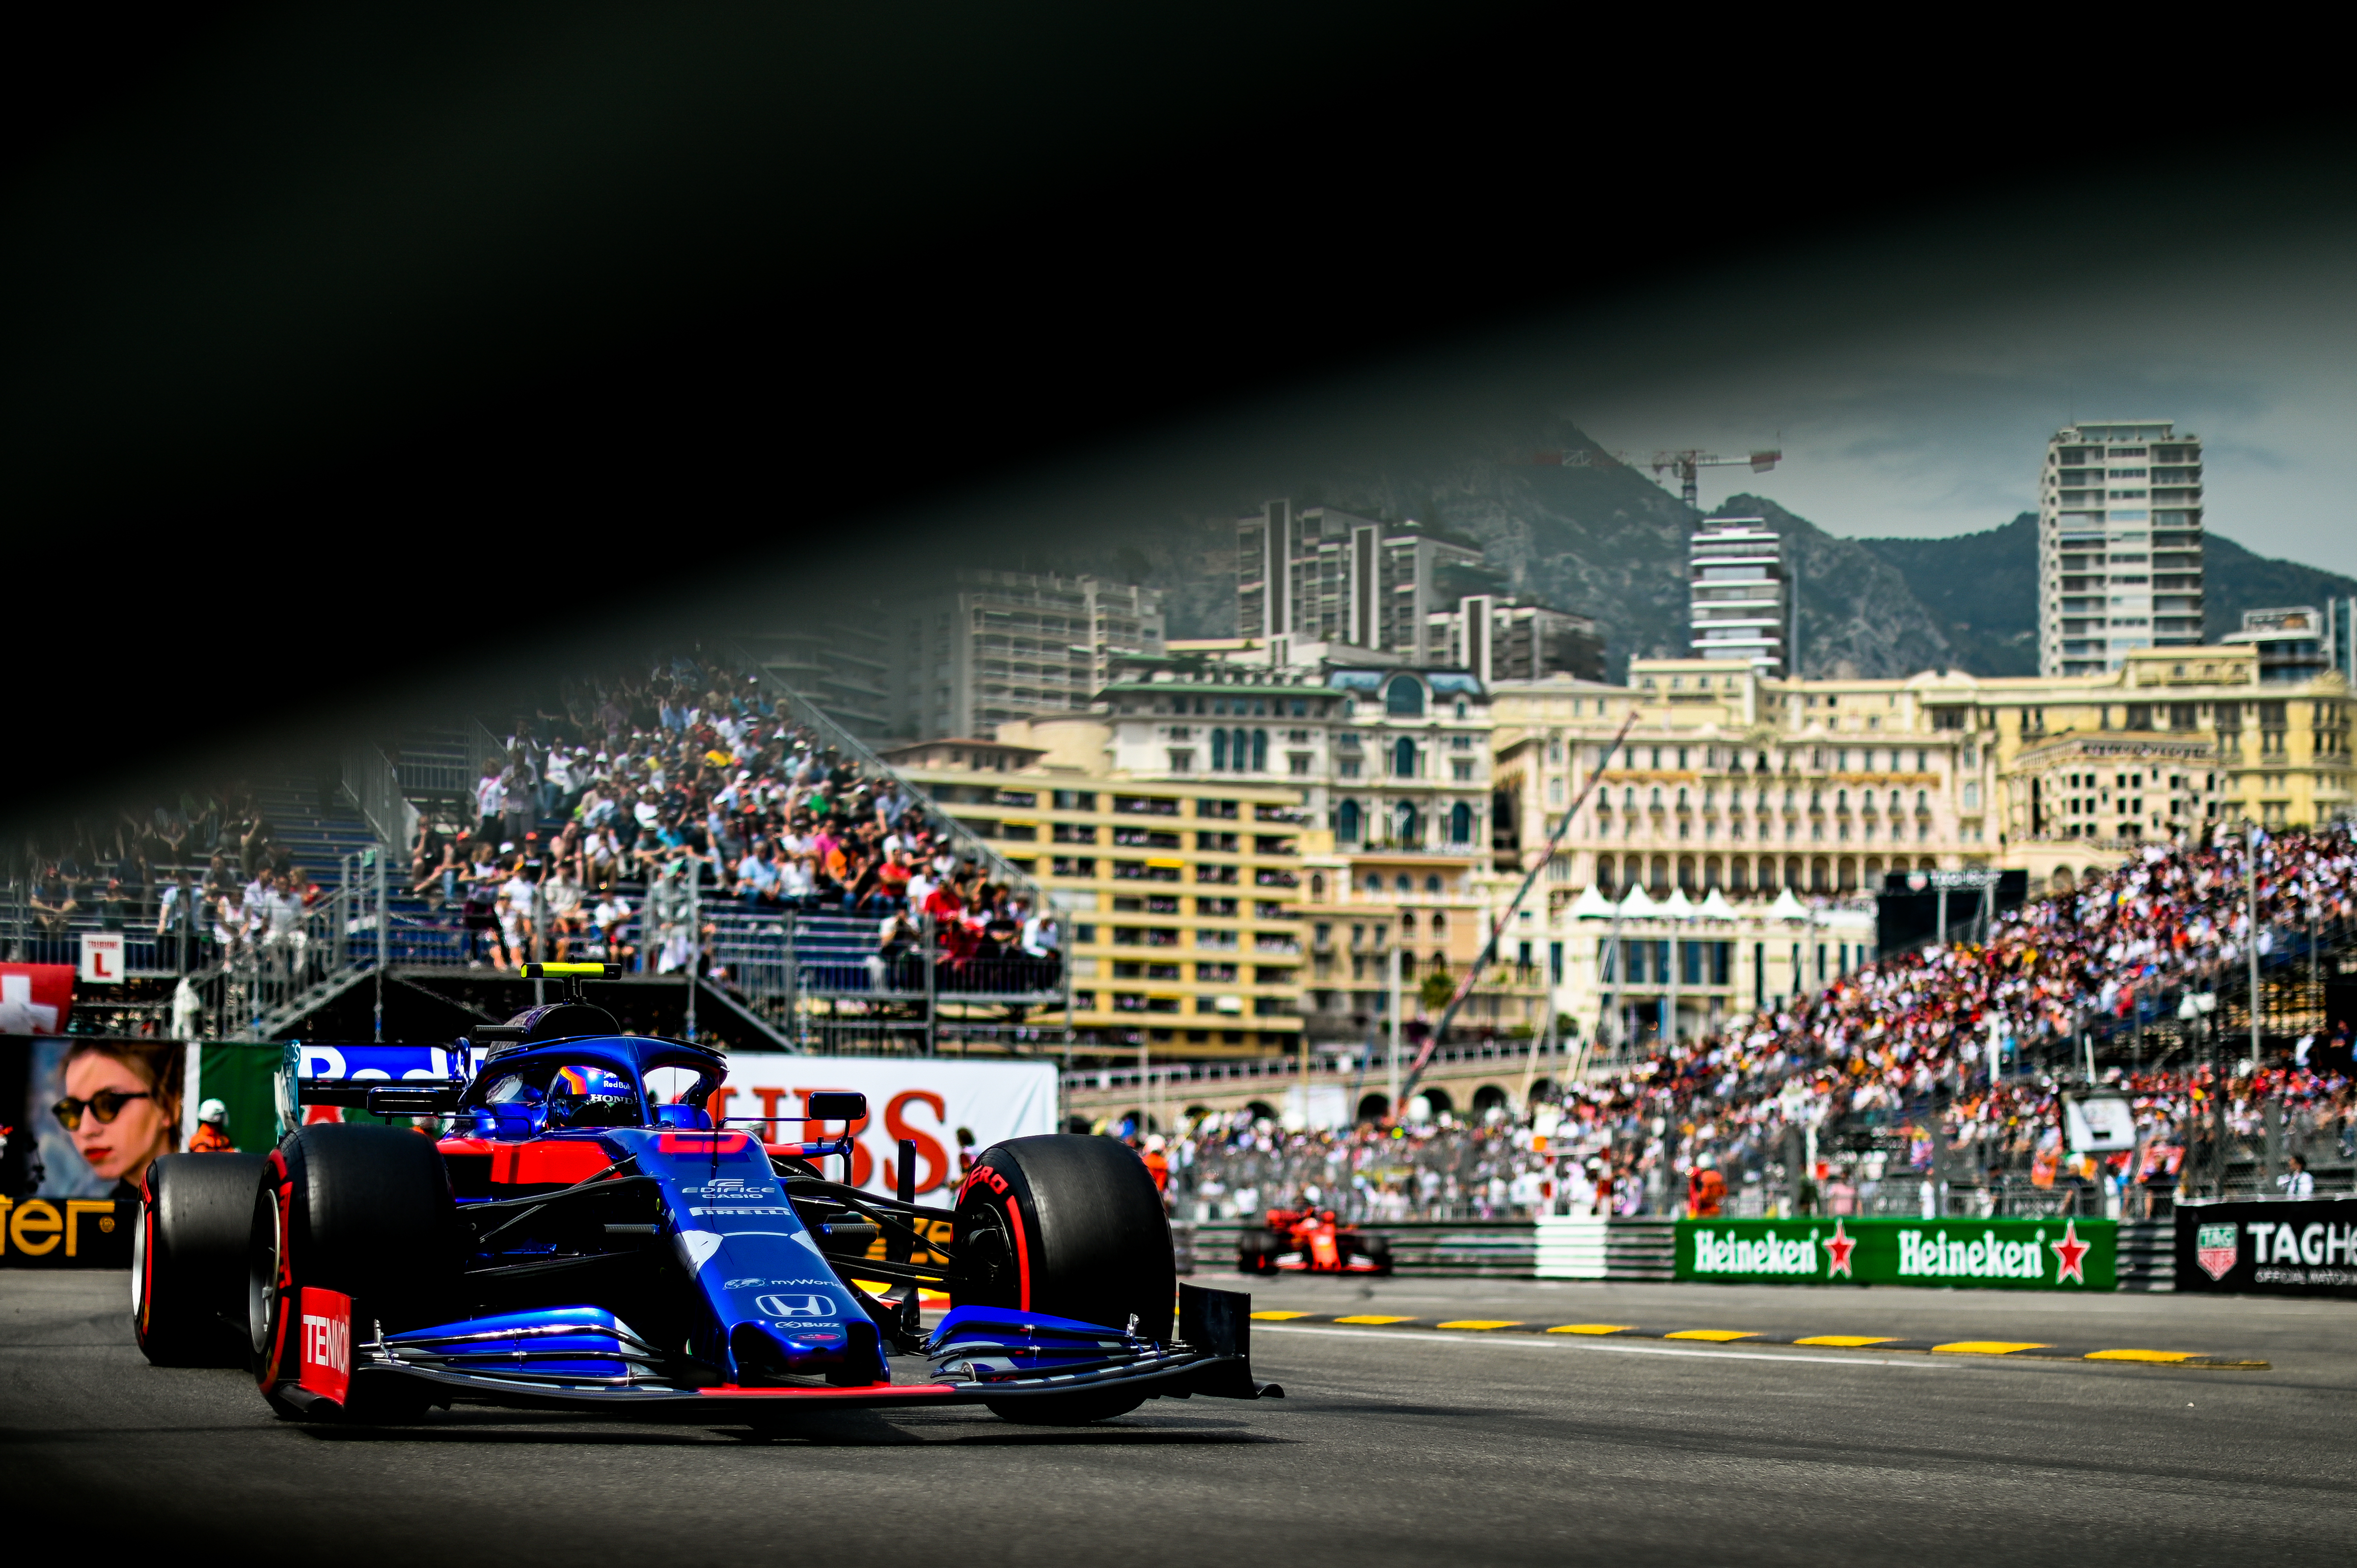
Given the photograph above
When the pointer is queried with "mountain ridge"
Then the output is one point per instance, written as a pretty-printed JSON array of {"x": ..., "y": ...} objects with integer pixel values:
[{"x": 1563, "y": 521}]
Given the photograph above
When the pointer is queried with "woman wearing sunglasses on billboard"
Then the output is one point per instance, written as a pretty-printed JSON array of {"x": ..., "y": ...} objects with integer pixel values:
[{"x": 121, "y": 1104}]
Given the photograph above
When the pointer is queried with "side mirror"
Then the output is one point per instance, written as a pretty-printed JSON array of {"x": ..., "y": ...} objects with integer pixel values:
[
  {"x": 687, "y": 1116},
  {"x": 836, "y": 1105}
]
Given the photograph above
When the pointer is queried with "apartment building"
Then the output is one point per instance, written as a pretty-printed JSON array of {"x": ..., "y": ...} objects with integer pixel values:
[
  {"x": 1392, "y": 769},
  {"x": 991, "y": 646},
  {"x": 1740, "y": 605},
  {"x": 1508, "y": 638},
  {"x": 841, "y": 661},
  {"x": 2119, "y": 545},
  {"x": 1181, "y": 898},
  {"x": 1325, "y": 576},
  {"x": 1763, "y": 808},
  {"x": 2293, "y": 644}
]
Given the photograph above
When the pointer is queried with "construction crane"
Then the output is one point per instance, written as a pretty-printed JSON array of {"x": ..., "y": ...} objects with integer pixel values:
[{"x": 1687, "y": 464}]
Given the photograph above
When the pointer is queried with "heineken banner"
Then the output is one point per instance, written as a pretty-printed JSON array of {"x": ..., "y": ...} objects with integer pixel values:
[
  {"x": 1981, "y": 1254},
  {"x": 2278, "y": 1247}
]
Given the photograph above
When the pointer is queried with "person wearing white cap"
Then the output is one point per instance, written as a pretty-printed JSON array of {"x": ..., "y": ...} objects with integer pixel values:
[{"x": 212, "y": 1130}]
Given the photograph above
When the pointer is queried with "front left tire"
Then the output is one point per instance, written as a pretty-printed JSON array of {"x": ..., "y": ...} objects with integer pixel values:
[
  {"x": 360, "y": 1210},
  {"x": 1072, "y": 1226},
  {"x": 187, "y": 1259}
]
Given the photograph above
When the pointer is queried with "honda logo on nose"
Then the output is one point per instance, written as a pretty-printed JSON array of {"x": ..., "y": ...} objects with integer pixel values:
[{"x": 796, "y": 1305}]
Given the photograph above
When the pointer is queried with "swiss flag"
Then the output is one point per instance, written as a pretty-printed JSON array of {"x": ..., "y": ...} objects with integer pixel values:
[{"x": 35, "y": 998}]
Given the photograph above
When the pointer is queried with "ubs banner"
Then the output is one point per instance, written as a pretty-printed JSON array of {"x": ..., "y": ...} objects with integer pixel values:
[
  {"x": 81, "y": 1117},
  {"x": 2283, "y": 1247},
  {"x": 1979, "y": 1254},
  {"x": 926, "y": 1100}
]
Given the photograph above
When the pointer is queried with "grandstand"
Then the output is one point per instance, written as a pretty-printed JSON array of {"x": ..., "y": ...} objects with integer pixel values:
[
  {"x": 2229, "y": 1038},
  {"x": 840, "y": 968}
]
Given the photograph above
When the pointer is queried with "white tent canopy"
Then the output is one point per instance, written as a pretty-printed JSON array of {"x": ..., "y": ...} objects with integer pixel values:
[
  {"x": 1638, "y": 906},
  {"x": 1716, "y": 907},
  {"x": 1787, "y": 908},
  {"x": 1591, "y": 905}
]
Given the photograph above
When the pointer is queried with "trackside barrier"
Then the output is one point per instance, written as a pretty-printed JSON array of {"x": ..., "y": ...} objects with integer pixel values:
[
  {"x": 1631, "y": 1249},
  {"x": 1953, "y": 1253},
  {"x": 2270, "y": 1247},
  {"x": 2066, "y": 1253},
  {"x": 2147, "y": 1255}
]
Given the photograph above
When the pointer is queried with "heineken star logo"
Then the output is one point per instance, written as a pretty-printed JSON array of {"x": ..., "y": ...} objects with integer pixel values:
[
  {"x": 2071, "y": 1254},
  {"x": 1837, "y": 1251}
]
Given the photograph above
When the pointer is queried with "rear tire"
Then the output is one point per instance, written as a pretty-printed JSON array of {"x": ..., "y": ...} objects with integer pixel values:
[
  {"x": 187, "y": 1263},
  {"x": 1071, "y": 1226},
  {"x": 364, "y": 1210},
  {"x": 1256, "y": 1253}
]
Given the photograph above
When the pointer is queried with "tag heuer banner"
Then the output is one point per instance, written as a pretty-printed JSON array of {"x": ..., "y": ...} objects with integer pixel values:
[
  {"x": 1981, "y": 1254},
  {"x": 2285, "y": 1247}
]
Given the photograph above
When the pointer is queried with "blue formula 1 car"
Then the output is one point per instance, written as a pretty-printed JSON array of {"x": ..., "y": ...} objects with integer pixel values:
[{"x": 572, "y": 1243}]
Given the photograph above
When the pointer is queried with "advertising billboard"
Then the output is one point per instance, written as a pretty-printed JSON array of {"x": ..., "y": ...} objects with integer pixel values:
[
  {"x": 1975, "y": 1254},
  {"x": 927, "y": 1100},
  {"x": 2269, "y": 1247},
  {"x": 85, "y": 1116}
]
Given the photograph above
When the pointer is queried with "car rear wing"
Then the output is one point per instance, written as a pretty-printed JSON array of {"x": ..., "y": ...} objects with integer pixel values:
[{"x": 391, "y": 1080}]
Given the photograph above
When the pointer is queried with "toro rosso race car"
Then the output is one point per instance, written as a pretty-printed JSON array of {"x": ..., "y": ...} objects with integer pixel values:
[{"x": 572, "y": 1243}]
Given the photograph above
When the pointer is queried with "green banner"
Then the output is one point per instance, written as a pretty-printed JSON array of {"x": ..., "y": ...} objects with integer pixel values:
[
  {"x": 1979, "y": 1254},
  {"x": 241, "y": 1074}
]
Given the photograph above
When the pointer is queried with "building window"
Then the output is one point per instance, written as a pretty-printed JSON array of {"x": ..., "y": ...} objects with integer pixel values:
[
  {"x": 1404, "y": 698},
  {"x": 1404, "y": 758},
  {"x": 1408, "y": 825},
  {"x": 1461, "y": 823},
  {"x": 1346, "y": 822},
  {"x": 1218, "y": 750}
]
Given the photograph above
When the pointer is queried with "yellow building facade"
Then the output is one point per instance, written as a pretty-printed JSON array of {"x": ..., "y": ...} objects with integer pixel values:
[{"x": 1180, "y": 900}]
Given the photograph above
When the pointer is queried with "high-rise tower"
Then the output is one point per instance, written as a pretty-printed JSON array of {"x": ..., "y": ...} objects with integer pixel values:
[
  {"x": 2119, "y": 545},
  {"x": 1739, "y": 593}
]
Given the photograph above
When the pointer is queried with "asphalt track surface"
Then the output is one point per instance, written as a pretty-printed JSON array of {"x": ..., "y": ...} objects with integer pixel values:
[{"x": 1390, "y": 1446}]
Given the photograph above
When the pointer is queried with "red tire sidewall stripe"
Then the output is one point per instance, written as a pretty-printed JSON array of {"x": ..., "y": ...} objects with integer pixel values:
[
  {"x": 147, "y": 1261},
  {"x": 1022, "y": 1253},
  {"x": 274, "y": 1361}
]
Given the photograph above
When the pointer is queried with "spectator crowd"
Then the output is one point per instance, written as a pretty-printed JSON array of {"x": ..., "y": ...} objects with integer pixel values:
[
  {"x": 689, "y": 791},
  {"x": 1937, "y": 1068},
  {"x": 649, "y": 810}
]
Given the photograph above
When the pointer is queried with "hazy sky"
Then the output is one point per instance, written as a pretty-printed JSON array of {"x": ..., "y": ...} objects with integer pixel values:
[{"x": 1938, "y": 427}]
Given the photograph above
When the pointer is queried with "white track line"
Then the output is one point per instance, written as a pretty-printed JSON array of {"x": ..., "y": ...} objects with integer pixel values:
[{"x": 1572, "y": 1342}]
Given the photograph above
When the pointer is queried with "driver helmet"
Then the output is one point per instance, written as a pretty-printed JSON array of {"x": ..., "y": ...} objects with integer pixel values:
[
  {"x": 591, "y": 1097},
  {"x": 213, "y": 1113}
]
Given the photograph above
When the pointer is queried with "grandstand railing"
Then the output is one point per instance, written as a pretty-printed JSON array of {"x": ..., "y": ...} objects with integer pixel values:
[{"x": 375, "y": 787}]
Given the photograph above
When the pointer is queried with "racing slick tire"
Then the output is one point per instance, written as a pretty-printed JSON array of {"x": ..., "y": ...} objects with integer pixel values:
[
  {"x": 361, "y": 1209},
  {"x": 187, "y": 1259},
  {"x": 1073, "y": 1225},
  {"x": 1377, "y": 1249},
  {"x": 1256, "y": 1252}
]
